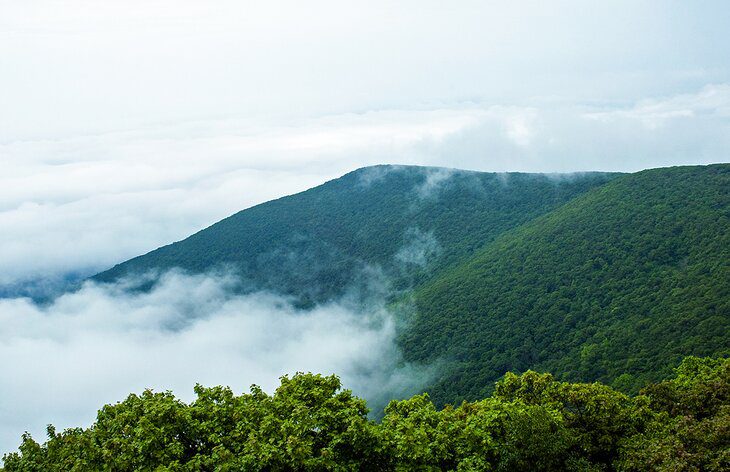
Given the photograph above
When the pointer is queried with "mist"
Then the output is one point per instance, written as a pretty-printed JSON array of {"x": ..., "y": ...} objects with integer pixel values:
[
  {"x": 64, "y": 360},
  {"x": 80, "y": 205}
]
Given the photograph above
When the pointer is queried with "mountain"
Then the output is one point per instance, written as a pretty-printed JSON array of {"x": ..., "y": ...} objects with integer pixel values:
[
  {"x": 595, "y": 276},
  {"x": 616, "y": 285},
  {"x": 406, "y": 223}
]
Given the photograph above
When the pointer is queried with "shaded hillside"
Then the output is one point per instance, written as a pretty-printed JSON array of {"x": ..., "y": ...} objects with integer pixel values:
[
  {"x": 407, "y": 221},
  {"x": 616, "y": 285}
]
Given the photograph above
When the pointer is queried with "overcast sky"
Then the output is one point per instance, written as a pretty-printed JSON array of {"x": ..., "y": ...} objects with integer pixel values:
[{"x": 126, "y": 125}]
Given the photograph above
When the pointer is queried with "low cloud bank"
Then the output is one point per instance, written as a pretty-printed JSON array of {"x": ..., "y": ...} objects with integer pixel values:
[
  {"x": 63, "y": 361},
  {"x": 80, "y": 204}
]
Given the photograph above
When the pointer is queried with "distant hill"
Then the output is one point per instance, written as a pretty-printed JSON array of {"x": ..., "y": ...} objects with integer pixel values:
[
  {"x": 616, "y": 285},
  {"x": 406, "y": 222}
]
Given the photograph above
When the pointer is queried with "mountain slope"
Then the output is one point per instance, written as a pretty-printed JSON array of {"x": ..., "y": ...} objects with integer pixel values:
[
  {"x": 628, "y": 277},
  {"x": 408, "y": 221}
]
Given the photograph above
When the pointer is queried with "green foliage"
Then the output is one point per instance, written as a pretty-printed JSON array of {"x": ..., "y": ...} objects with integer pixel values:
[
  {"x": 491, "y": 434},
  {"x": 308, "y": 424},
  {"x": 142, "y": 431},
  {"x": 596, "y": 277},
  {"x": 701, "y": 386},
  {"x": 531, "y": 423},
  {"x": 617, "y": 286},
  {"x": 317, "y": 244},
  {"x": 598, "y": 416},
  {"x": 693, "y": 431}
]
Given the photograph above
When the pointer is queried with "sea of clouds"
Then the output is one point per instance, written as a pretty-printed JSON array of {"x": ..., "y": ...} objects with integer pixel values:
[{"x": 64, "y": 360}]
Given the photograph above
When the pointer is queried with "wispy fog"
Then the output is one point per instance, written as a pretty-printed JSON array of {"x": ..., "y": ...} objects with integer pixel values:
[
  {"x": 420, "y": 248},
  {"x": 61, "y": 362}
]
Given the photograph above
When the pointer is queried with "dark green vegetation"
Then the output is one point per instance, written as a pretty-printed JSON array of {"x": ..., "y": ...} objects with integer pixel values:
[
  {"x": 617, "y": 286},
  {"x": 531, "y": 423},
  {"x": 601, "y": 277},
  {"x": 598, "y": 277},
  {"x": 320, "y": 243}
]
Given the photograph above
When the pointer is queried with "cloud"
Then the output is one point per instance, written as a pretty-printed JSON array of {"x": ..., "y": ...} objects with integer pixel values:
[
  {"x": 85, "y": 203},
  {"x": 76, "y": 66},
  {"x": 689, "y": 128},
  {"x": 434, "y": 181},
  {"x": 713, "y": 100},
  {"x": 420, "y": 249},
  {"x": 65, "y": 360},
  {"x": 124, "y": 127},
  {"x": 79, "y": 205}
]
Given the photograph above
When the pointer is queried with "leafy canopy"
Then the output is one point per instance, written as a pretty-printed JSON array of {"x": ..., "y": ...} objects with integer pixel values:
[{"x": 531, "y": 423}]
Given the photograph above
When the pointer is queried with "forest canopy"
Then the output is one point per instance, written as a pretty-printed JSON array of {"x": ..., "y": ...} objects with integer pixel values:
[
  {"x": 591, "y": 276},
  {"x": 531, "y": 422}
]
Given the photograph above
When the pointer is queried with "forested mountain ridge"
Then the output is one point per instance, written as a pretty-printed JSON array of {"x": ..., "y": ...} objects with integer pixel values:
[
  {"x": 408, "y": 221},
  {"x": 616, "y": 286},
  {"x": 591, "y": 276}
]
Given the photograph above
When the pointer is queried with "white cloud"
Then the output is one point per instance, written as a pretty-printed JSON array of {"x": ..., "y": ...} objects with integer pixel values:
[
  {"x": 684, "y": 129},
  {"x": 78, "y": 66},
  {"x": 64, "y": 361},
  {"x": 128, "y": 125},
  {"x": 86, "y": 203},
  {"x": 712, "y": 101},
  {"x": 82, "y": 204}
]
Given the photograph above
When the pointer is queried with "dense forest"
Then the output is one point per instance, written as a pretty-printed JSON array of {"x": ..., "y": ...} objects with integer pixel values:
[
  {"x": 531, "y": 422},
  {"x": 617, "y": 285},
  {"x": 608, "y": 277},
  {"x": 404, "y": 221}
]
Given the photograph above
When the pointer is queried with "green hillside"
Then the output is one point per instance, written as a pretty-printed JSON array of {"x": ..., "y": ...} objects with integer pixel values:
[
  {"x": 592, "y": 276},
  {"x": 617, "y": 285},
  {"x": 408, "y": 221}
]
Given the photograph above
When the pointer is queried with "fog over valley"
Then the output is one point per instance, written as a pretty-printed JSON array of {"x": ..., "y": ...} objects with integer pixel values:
[{"x": 95, "y": 345}]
